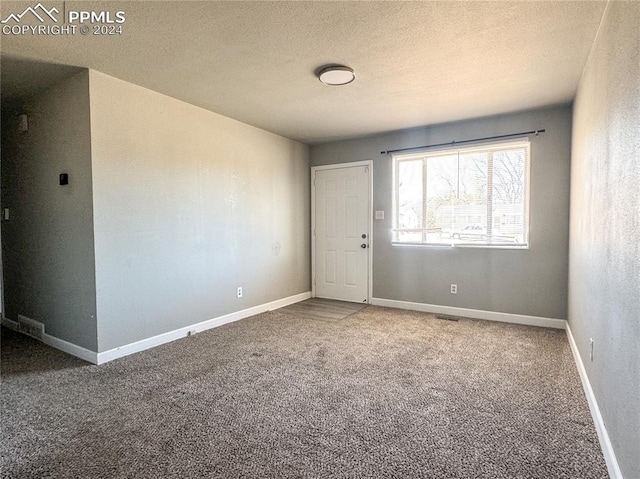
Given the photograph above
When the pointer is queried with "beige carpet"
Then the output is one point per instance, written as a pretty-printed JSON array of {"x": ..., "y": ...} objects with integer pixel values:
[{"x": 382, "y": 393}]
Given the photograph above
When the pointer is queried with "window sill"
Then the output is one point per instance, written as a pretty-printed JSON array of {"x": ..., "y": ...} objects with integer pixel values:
[{"x": 518, "y": 247}]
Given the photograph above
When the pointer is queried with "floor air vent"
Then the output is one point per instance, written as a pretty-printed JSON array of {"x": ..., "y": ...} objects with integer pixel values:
[{"x": 30, "y": 327}]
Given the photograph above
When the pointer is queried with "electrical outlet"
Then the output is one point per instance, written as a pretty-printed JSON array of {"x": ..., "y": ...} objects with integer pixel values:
[
  {"x": 454, "y": 288},
  {"x": 239, "y": 292},
  {"x": 591, "y": 349}
]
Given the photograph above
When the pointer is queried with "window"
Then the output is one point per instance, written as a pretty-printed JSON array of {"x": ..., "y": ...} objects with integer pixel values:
[{"x": 474, "y": 196}]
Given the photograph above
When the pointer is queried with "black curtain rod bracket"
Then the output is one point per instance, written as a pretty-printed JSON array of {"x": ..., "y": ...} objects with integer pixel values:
[{"x": 453, "y": 143}]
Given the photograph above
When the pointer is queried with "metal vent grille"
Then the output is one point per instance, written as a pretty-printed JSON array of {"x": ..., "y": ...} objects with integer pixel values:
[{"x": 30, "y": 327}]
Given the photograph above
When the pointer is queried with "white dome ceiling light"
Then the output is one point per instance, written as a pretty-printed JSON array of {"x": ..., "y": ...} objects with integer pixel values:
[{"x": 336, "y": 75}]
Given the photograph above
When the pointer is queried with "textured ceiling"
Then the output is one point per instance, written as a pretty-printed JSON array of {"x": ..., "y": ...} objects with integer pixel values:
[{"x": 416, "y": 63}]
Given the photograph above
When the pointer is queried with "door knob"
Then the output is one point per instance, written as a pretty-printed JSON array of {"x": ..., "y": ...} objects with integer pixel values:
[{"x": 363, "y": 245}]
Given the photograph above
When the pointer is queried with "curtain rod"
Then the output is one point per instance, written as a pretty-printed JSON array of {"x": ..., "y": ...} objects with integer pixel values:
[{"x": 451, "y": 143}]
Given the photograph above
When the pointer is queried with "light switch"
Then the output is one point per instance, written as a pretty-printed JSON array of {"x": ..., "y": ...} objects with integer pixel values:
[
  {"x": 379, "y": 215},
  {"x": 5, "y": 214}
]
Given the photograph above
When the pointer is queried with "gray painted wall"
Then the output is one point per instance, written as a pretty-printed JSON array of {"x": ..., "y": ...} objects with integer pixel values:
[
  {"x": 48, "y": 243},
  {"x": 188, "y": 205},
  {"x": 530, "y": 282},
  {"x": 604, "y": 286}
]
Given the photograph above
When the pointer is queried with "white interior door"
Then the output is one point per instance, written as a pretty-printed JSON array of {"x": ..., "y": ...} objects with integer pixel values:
[{"x": 342, "y": 221}]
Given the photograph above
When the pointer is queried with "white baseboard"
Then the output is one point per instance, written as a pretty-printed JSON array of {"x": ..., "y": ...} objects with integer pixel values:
[
  {"x": 163, "y": 338},
  {"x": 603, "y": 436},
  {"x": 472, "y": 313},
  {"x": 10, "y": 324},
  {"x": 101, "y": 358},
  {"x": 61, "y": 344},
  {"x": 70, "y": 348}
]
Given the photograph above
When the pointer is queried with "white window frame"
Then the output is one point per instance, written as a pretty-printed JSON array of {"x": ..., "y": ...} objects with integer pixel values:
[{"x": 513, "y": 143}]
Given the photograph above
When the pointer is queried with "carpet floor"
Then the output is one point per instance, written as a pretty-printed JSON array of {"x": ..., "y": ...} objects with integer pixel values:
[{"x": 383, "y": 393}]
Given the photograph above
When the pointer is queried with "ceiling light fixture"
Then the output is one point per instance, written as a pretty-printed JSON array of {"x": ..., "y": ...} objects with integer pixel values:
[{"x": 336, "y": 75}]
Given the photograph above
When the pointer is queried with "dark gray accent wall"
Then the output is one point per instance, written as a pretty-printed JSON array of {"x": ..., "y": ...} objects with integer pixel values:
[
  {"x": 604, "y": 286},
  {"x": 47, "y": 244},
  {"x": 528, "y": 282}
]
